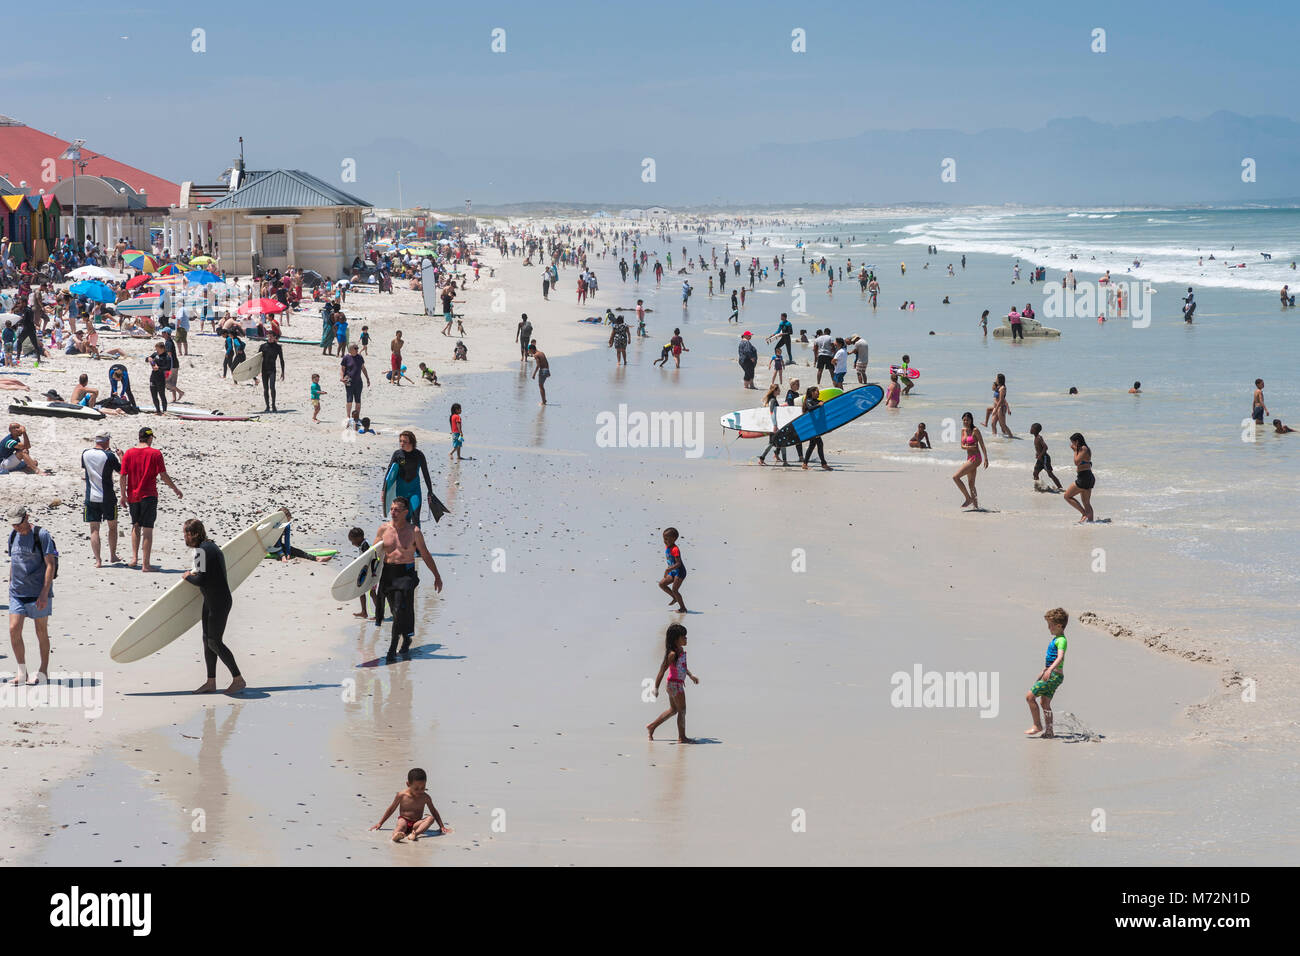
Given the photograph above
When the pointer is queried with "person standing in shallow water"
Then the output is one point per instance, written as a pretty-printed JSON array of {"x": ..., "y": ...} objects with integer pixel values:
[{"x": 1084, "y": 479}]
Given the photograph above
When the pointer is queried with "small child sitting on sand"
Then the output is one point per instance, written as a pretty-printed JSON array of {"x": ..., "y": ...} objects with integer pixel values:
[
  {"x": 411, "y": 820},
  {"x": 429, "y": 375}
]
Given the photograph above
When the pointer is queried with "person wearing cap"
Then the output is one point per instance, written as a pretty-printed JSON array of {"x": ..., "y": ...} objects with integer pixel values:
[
  {"x": 142, "y": 466},
  {"x": 99, "y": 462},
  {"x": 748, "y": 357},
  {"x": 15, "y": 450},
  {"x": 33, "y": 562}
]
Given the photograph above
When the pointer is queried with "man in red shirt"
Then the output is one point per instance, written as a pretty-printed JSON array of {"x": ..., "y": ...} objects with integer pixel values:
[{"x": 142, "y": 466}]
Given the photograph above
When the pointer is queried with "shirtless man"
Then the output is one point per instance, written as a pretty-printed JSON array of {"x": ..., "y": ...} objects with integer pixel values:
[
  {"x": 541, "y": 369},
  {"x": 402, "y": 542},
  {"x": 395, "y": 347},
  {"x": 1257, "y": 407},
  {"x": 84, "y": 391}
]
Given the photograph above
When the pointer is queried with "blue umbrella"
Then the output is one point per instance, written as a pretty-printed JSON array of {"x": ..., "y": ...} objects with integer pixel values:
[
  {"x": 200, "y": 277},
  {"x": 95, "y": 291}
]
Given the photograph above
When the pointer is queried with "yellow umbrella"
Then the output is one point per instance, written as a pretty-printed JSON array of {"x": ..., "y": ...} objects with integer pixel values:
[{"x": 202, "y": 261}]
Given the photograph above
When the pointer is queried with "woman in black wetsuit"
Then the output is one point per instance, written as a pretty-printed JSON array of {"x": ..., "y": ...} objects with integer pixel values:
[
  {"x": 403, "y": 475},
  {"x": 160, "y": 364}
]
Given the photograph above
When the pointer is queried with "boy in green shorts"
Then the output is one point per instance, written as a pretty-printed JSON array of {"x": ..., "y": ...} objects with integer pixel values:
[{"x": 1052, "y": 676}]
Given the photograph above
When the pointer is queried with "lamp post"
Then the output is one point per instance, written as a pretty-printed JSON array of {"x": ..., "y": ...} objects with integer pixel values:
[{"x": 73, "y": 152}]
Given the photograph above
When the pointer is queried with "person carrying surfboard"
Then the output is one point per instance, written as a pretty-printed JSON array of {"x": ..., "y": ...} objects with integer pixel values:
[
  {"x": 209, "y": 575},
  {"x": 403, "y": 541},
  {"x": 403, "y": 478}
]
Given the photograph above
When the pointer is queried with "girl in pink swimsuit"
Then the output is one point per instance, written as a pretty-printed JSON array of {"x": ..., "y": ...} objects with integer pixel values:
[
  {"x": 972, "y": 442},
  {"x": 892, "y": 396},
  {"x": 674, "y": 664}
]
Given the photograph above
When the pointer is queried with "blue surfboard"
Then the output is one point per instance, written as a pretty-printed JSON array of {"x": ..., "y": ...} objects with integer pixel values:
[{"x": 830, "y": 415}]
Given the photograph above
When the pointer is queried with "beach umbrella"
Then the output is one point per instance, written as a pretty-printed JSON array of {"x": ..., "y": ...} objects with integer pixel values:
[
  {"x": 167, "y": 282},
  {"x": 311, "y": 278},
  {"x": 94, "y": 291},
  {"x": 142, "y": 261},
  {"x": 260, "y": 306},
  {"x": 202, "y": 277},
  {"x": 202, "y": 261},
  {"x": 136, "y": 281},
  {"x": 172, "y": 269},
  {"x": 92, "y": 272}
]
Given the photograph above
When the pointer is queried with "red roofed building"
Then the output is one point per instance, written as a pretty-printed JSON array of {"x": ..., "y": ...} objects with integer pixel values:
[{"x": 30, "y": 156}]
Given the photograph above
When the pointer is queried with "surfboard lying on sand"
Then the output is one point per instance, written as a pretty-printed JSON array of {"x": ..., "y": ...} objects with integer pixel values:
[
  {"x": 314, "y": 552},
  {"x": 56, "y": 410},
  {"x": 835, "y": 413},
  {"x": 359, "y": 576},
  {"x": 181, "y": 605},
  {"x": 201, "y": 417}
]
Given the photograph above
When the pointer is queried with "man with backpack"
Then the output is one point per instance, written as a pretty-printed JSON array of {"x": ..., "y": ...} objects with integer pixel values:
[{"x": 33, "y": 566}]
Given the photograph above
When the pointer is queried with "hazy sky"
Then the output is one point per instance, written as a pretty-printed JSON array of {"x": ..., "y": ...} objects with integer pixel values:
[{"x": 310, "y": 84}]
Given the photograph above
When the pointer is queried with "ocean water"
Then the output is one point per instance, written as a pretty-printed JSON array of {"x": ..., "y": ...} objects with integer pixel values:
[{"x": 1180, "y": 461}]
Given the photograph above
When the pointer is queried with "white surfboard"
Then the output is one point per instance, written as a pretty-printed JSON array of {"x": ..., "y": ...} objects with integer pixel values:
[
  {"x": 248, "y": 369},
  {"x": 180, "y": 606},
  {"x": 759, "y": 420},
  {"x": 359, "y": 576}
]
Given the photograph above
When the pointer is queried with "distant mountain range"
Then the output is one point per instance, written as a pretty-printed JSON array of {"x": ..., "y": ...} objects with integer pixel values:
[{"x": 1170, "y": 161}]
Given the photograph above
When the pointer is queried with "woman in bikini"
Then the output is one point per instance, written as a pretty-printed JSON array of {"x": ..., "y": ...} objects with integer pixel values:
[
  {"x": 1084, "y": 479},
  {"x": 1001, "y": 408},
  {"x": 972, "y": 443}
]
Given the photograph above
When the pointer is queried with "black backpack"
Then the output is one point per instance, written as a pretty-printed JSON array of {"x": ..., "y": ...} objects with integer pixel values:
[{"x": 36, "y": 534}]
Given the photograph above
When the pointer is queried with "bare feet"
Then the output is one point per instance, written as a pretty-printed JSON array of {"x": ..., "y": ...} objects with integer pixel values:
[
  {"x": 1047, "y": 735},
  {"x": 208, "y": 687},
  {"x": 650, "y": 730},
  {"x": 236, "y": 685},
  {"x": 398, "y": 836},
  {"x": 148, "y": 568},
  {"x": 1033, "y": 730},
  {"x": 686, "y": 740},
  {"x": 361, "y": 614}
]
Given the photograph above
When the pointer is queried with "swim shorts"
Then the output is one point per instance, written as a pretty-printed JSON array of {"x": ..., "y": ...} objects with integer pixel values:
[
  {"x": 543, "y": 375},
  {"x": 144, "y": 512},
  {"x": 1044, "y": 463},
  {"x": 96, "y": 511},
  {"x": 1085, "y": 479},
  {"x": 1257, "y": 413},
  {"x": 1046, "y": 688},
  {"x": 825, "y": 362}
]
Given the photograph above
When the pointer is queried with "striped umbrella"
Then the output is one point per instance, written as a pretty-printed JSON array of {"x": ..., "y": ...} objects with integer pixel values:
[
  {"x": 142, "y": 261},
  {"x": 173, "y": 269}
]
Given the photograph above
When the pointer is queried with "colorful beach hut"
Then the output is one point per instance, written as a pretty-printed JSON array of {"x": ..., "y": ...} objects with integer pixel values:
[{"x": 18, "y": 222}]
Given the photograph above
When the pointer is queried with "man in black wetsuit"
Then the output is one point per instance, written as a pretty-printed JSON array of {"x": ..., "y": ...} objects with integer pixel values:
[
  {"x": 209, "y": 576},
  {"x": 270, "y": 350}
]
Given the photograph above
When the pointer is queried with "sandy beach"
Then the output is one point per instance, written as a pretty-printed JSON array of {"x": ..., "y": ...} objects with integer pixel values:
[{"x": 809, "y": 593}]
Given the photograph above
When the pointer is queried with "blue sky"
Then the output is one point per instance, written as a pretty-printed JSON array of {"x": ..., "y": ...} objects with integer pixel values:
[{"x": 309, "y": 84}]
